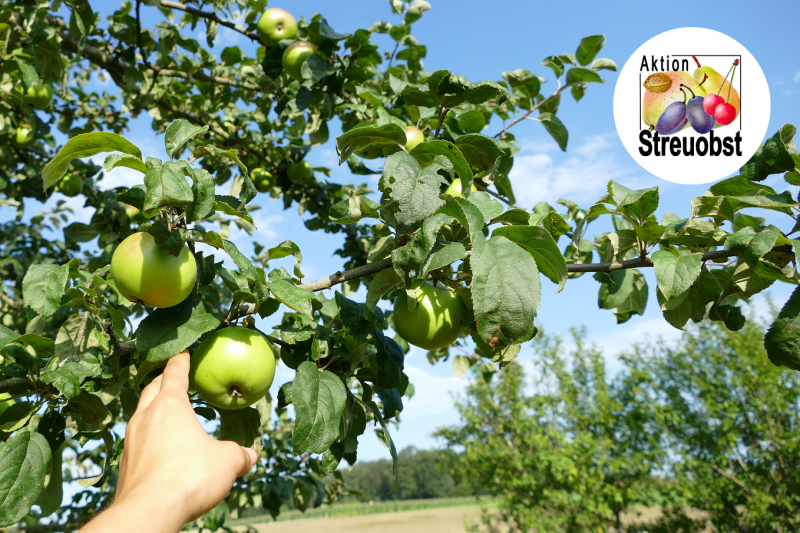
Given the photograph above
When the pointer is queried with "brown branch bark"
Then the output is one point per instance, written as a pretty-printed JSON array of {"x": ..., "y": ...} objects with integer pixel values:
[
  {"x": 527, "y": 114},
  {"x": 211, "y": 16},
  {"x": 7, "y": 385},
  {"x": 347, "y": 275}
]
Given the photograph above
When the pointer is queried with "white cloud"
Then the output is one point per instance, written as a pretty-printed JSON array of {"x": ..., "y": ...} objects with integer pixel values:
[
  {"x": 797, "y": 77},
  {"x": 433, "y": 395},
  {"x": 788, "y": 92},
  {"x": 581, "y": 174}
]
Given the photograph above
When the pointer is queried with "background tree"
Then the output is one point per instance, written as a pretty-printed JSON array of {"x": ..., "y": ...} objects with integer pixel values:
[
  {"x": 73, "y": 360},
  {"x": 573, "y": 456},
  {"x": 731, "y": 422}
]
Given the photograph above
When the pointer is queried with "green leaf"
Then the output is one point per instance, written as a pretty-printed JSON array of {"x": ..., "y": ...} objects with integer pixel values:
[
  {"x": 392, "y": 402},
  {"x": 426, "y": 153},
  {"x": 43, "y": 286},
  {"x": 23, "y": 463},
  {"x": 604, "y": 64},
  {"x": 409, "y": 259},
  {"x": 354, "y": 317},
  {"x": 292, "y": 296},
  {"x": 389, "y": 360},
  {"x": 467, "y": 214},
  {"x": 315, "y": 68},
  {"x": 381, "y": 283},
  {"x": 50, "y": 499},
  {"x": 589, "y": 48},
  {"x": 388, "y": 135},
  {"x": 123, "y": 160},
  {"x": 92, "y": 415},
  {"x": 505, "y": 291},
  {"x": 178, "y": 133},
  {"x": 526, "y": 82},
  {"x": 166, "y": 332},
  {"x": 782, "y": 341},
  {"x": 751, "y": 245},
  {"x": 68, "y": 377},
  {"x": 443, "y": 255},
  {"x": 639, "y": 204},
  {"x": 353, "y": 209},
  {"x": 416, "y": 189},
  {"x": 242, "y": 426},
  {"x": 228, "y": 210},
  {"x": 29, "y": 75},
  {"x": 134, "y": 196},
  {"x": 624, "y": 292},
  {"x": 540, "y": 244},
  {"x": 166, "y": 185},
  {"x": 203, "y": 193},
  {"x": 578, "y": 75},
  {"x": 319, "y": 399},
  {"x": 16, "y": 416},
  {"x": 479, "y": 151},
  {"x": 84, "y": 145},
  {"x": 555, "y": 128},
  {"x": 676, "y": 274}
]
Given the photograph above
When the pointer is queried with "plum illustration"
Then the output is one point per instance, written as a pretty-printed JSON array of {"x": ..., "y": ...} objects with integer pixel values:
[
  {"x": 655, "y": 104},
  {"x": 673, "y": 119},
  {"x": 700, "y": 121}
]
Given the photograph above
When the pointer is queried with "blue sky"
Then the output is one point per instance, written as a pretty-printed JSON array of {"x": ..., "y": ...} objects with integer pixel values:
[{"x": 480, "y": 40}]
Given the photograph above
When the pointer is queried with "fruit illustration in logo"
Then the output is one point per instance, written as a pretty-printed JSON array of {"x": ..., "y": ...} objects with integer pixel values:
[
  {"x": 719, "y": 91},
  {"x": 655, "y": 104},
  {"x": 673, "y": 119},
  {"x": 658, "y": 82},
  {"x": 700, "y": 121}
]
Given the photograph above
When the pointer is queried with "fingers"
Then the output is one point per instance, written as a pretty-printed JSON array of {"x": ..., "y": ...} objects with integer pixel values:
[
  {"x": 176, "y": 374},
  {"x": 148, "y": 394},
  {"x": 250, "y": 457}
]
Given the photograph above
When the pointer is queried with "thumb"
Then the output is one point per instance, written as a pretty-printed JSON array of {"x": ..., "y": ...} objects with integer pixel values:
[{"x": 248, "y": 461}]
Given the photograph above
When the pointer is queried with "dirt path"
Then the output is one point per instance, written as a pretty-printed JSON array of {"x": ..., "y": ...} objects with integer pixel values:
[{"x": 434, "y": 520}]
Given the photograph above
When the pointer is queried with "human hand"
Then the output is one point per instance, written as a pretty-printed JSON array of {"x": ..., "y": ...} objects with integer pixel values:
[{"x": 171, "y": 471}]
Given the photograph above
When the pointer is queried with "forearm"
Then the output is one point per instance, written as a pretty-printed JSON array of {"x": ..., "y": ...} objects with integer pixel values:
[{"x": 136, "y": 514}]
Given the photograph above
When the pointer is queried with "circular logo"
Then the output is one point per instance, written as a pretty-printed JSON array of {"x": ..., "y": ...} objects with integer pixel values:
[{"x": 691, "y": 105}]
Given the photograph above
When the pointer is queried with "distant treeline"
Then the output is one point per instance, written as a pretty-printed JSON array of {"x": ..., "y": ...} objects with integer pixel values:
[{"x": 421, "y": 477}]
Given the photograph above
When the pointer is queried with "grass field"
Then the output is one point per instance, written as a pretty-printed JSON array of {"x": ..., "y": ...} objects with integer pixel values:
[
  {"x": 350, "y": 510},
  {"x": 448, "y": 520}
]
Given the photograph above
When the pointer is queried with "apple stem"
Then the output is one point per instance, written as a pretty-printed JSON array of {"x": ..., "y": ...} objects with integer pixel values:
[
  {"x": 696, "y": 61},
  {"x": 234, "y": 392}
]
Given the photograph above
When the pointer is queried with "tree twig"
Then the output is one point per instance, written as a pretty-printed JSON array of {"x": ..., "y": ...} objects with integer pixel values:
[
  {"x": 347, "y": 275},
  {"x": 531, "y": 110},
  {"x": 7, "y": 385},
  {"x": 211, "y": 16}
]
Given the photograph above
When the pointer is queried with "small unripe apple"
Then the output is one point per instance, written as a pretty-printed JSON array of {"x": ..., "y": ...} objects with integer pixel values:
[
  {"x": 262, "y": 179},
  {"x": 71, "y": 185},
  {"x": 131, "y": 211},
  {"x": 23, "y": 137},
  {"x": 5, "y": 403},
  {"x": 39, "y": 96},
  {"x": 456, "y": 188},
  {"x": 276, "y": 24},
  {"x": 436, "y": 320},
  {"x": 414, "y": 137},
  {"x": 146, "y": 273},
  {"x": 300, "y": 172},
  {"x": 232, "y": 368},
  {"x": 294, "y": 57}
]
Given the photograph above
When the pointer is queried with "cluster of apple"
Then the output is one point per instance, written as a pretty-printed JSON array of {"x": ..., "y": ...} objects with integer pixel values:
[
  {"x": 37, "y": 96},
  {"x": 276, "y": 25},
  {"x": 665, "y": 106},
  {"x": 233, "y": 367}
]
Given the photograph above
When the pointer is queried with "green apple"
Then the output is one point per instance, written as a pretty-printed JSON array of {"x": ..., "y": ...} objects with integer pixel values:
[
  {"x": 233, "y": 368},
  {"x": 131, "y": 211},
  {"x": 299, "y": 172},
  {"x": 436, "y": 320},
  {"x": 71, "y": 185},
  {"x": 23, "y": 137},
  {"x": 294, "y": 57},
  {"x": 39, "y": 96},
  {"x": 5, "y": 403},
  {"x": 413, "y": 137},
  {"x": 145, "y": 273},
  {"x": 276, "y": 24},
  {"x": 262, "y": 178},
  {"x": 455, "y": 188}
]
